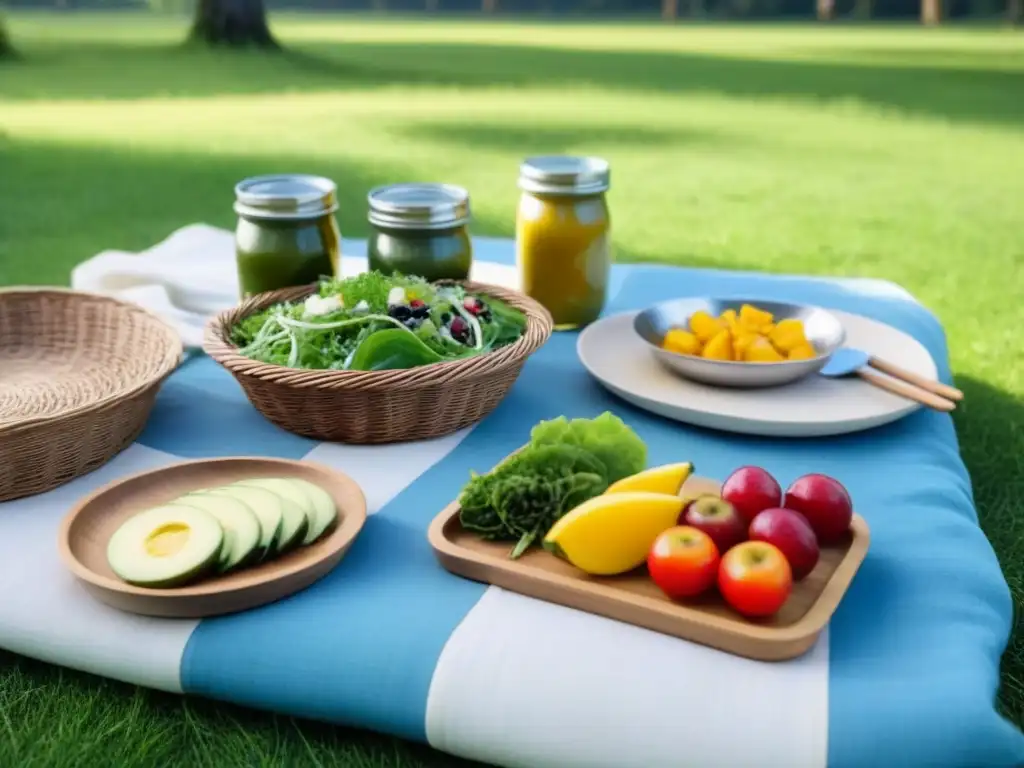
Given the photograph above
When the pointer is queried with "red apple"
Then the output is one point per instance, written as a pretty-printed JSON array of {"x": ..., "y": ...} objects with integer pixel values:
[
  {"x": 824, "y": 502},
  {"x": 752, "y": 490},
  {"x": 792, "y": 534},
  {"x": 683, "y": 562},
  {"x": 755, "y": 578},
  {"x": 717, "y": 518}
]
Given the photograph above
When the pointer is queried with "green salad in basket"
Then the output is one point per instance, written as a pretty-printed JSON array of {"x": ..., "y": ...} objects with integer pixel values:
[{"x": 375, "y": 322}]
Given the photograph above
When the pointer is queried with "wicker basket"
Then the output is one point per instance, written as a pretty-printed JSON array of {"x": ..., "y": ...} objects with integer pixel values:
[
  {"x": 78, "y": 377},
  {"x": 378, "y": 406}
]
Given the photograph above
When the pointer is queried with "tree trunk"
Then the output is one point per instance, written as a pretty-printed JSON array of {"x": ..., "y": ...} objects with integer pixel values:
[
  {"x": 1015, "y": 11},
  {"x": 669, "y": 9},
  {"x": 431, "y": 6},
  {"x": 826, "y": 9},
  {"x": 6, "y": 49},
  {"x": 232, "y": 22},
  {"x": 931, "y": 12},
  {"x": 862, "y": 9},
  {"x": 489, "y": 6}
]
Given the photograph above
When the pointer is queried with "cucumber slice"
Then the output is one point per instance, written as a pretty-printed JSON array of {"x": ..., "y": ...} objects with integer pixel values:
[
  {"x": 298, "y": 509},
  {"x": 268, "y": 508},
  {"x": 323, "y": 504},
  {"x": 242, "y": 530},
  {"x": 165, "y": 546}
]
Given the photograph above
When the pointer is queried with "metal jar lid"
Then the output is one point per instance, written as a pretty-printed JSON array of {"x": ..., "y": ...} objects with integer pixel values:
[
  {"x": 287, "y": 196},
  {"x": 564, "y": 175},
  {"x": 418, "y": 206}
]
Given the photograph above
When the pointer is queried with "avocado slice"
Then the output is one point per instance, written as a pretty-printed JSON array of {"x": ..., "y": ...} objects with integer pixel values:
[
  {"x": 166, "y": 546},
  {"x": 298, "y": 509},
  {"x": 268, "y": 508},
  {"x": 326, "y": 513},
  {"x": 242, "y": 530}
]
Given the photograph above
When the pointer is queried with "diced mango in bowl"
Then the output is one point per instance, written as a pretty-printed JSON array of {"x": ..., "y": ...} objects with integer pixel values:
[{"x": 750, "y": 336}]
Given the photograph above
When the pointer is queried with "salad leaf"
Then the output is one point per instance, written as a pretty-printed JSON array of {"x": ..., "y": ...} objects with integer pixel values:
[
  {"x": 555, "y": 462},
  {"x": 525, "y": 503},
  {"x": 576, "y": 489},
  {"x": 564, "y": 464},
  {"x": 477, "y": 512},
  {"x": 392, "y": 348},
  {"x": 373, "y": 287},
  {"x": 507, "y": 324},
  {"x": 607, "y": 438}
]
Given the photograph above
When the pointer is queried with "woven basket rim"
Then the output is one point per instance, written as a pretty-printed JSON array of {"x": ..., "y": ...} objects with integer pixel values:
[
  {"x": 169, "y": 358},
  {"x": 217, "y": 345}
]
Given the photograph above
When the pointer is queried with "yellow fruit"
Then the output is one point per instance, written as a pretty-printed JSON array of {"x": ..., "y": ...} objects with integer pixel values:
[
  {"x": 729, "y": 319},
  {"x": 788, "y": 335},
  {"x": 754, "y": 317},
  {"x": 719, "y": 348},
  {"x": 743, "y": 340},
  {"x": 612, "y": 534},
  {"x": 704, "y": 326},
  {"x": 668, "y": 478},
  {"x": 803, "y": 352},
  {"x": 683, "y": 342},
  {"x": 761, "y": 351}
]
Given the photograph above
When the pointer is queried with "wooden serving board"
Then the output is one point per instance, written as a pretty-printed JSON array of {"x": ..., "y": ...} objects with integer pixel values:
[{"x": 635, "y": 599}]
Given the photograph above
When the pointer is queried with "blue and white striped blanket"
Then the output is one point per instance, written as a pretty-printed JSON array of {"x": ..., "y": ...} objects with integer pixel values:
[{"x": 904, "y": 676}]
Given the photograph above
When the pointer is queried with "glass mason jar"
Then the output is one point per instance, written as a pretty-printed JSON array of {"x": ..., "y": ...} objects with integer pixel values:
[
  {"x": 420, "y": 230},
  {"x": 563, "y": 236},
  {"x": 286, "y": 234}
]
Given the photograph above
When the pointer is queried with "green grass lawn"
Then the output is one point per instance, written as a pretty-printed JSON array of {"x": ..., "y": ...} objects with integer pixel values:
[{"x": 895, "y": 153}]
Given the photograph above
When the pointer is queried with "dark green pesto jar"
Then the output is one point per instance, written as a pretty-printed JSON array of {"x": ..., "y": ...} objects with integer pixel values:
[
  {"x": 286, "y": 234},
  {"x": 421, "y": 230}
]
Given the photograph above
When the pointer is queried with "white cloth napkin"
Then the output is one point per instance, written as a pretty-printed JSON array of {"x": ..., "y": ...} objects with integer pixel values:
[{"x": 190, "y": 276}]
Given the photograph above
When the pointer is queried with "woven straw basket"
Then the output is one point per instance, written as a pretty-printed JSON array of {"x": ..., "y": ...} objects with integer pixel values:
[
  {"x": 378, "y": 406},
  {"x": 78, "y": 377}
]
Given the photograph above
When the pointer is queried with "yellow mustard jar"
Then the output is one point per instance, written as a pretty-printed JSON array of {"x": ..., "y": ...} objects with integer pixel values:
[{"x": 563, "y": 236}]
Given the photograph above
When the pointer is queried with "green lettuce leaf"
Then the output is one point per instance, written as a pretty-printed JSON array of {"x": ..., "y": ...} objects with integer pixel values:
[
  {"x": 476, "y": 511},
  {"x": 565, "y": 464},
  {"x": 606, "y": 437}
]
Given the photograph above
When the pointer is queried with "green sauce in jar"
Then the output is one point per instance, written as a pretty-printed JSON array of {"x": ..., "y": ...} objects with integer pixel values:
[
  {"x": 420, "y": 229},
  {"x": 286, "y": 234}
]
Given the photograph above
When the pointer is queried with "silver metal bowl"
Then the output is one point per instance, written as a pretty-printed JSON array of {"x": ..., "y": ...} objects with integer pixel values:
[{"x": 823, "y": 330}]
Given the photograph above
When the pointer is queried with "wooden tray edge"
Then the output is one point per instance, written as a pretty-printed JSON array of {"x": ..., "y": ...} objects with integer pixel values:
[{"x": 771, "y": 644}]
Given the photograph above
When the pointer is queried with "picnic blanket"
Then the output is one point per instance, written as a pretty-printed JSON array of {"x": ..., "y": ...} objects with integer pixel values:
[{"x": 905, "y": 675}]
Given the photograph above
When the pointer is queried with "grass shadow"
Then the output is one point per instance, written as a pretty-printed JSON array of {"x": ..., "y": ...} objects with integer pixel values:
[
  {"x": 990, "y": 427},
  {"x": 319, "y": 63},
  {"x": 948, "y": 92},
  {"x": 460, "y": 135},
  {"x": 995, "y": 60},
  {"x": 974, "y": 92},
  {"x": 127, "y": 71}
]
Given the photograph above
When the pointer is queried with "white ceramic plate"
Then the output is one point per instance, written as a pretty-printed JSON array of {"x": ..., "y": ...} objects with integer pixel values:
[{"x": 811, "y": 407}]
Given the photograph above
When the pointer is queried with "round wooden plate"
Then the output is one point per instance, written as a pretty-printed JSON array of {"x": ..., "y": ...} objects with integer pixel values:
[
  {"x": 88, "y": 527},
  {"x": 814, "y": 406}
]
